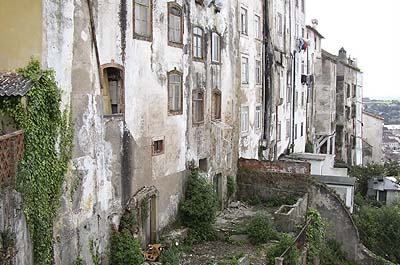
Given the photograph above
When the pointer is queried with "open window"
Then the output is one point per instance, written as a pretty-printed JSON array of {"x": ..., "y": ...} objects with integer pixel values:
[
  {"x": 216, "y": 105},
  {"x": 113, "y": 89}
]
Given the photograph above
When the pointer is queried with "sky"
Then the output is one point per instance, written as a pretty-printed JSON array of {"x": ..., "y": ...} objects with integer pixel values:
[{"x": 369, "y": 30}]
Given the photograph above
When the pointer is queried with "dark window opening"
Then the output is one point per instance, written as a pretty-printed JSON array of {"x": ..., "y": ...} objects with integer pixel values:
[
  {"x": 113, "y": 92},
  {"x": 158, "y": 147},
  {"x": 216, "y": 105},
  {"x": 203, "y": 165}
]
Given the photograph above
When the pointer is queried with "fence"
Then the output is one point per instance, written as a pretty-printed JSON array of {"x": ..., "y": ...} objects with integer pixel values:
[{"x": 11, "y": 152}]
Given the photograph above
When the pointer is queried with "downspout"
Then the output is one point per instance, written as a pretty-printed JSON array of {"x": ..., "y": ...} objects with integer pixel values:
[{"x": 293, "y": 97}]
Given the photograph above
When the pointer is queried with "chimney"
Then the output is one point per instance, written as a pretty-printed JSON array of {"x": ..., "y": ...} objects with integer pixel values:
[
  {"x": 314, "y": 23},
  {"x": 342, "y": 54}
]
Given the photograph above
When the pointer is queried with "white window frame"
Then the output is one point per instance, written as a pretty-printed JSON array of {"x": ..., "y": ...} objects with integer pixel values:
[
  {"x": 258, "y": 118},
  {"x": 258, "y": 72},
  {"x": 257, "y": 27},
  {"x": 215, "y": 47},
  {"x": 244, "y": 18}
]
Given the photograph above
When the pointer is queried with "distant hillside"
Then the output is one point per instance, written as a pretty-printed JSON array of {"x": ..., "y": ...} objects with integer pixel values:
[{"x": 387, "y": 109}]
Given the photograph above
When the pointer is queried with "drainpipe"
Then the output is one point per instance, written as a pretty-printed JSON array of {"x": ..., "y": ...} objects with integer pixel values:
[{"x": 293, "y": 97}]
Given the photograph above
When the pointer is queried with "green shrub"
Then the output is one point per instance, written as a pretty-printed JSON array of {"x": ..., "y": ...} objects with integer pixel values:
[
  {"x": 315, "y": 234},
  {"x": 292, "y": 258},
  {"x": 171, "y": 256},
  {"x": 276, "y": 201},
  {"x": 332, "y": 254},
  {"x": 230, "y": 186},
  {"x": 309, "y": 148},
  {"x": 260, "y": 230},
  {"x": 78, "y": 261},
  {"x": 198, "y": 210},
  {"x": 125, "y": 249},
  {"x": 254, "y": 200}
]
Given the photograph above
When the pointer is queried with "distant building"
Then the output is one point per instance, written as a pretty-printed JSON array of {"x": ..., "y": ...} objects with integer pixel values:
[
  {"x": 384, "y": 189},
  {"x": 372, "y": 132}
]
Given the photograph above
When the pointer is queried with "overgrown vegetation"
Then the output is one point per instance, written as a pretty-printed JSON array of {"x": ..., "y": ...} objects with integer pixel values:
[
  {"x": 260, "y": 230},
  {"x": 315, "y": 235},
  {"x": 171, "y": 256},
  {"x": 124, "y": 247},
  {"x": 7, "y": 247},
  {"x": 273, "y": 201},
  {"x": 230, "y": 186},
  {"x": 48, "y": 144},
  {"x": 286, "y": 241},
  {"x": 379, "y": 230},
  {"x": 332, "y": 254},
  {"x": 198, "y": 210}
]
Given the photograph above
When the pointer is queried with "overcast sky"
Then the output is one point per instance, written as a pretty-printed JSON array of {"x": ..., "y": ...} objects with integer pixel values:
[{"x": 370, "y": 31}]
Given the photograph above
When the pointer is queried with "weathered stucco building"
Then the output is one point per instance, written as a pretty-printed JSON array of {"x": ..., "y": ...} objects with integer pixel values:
[{"x": 372, "y": 133}]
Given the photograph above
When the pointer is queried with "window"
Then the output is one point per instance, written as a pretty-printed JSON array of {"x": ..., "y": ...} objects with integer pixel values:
[
  {"x": 278, "y": 132},
  {"x": 198, "y": 40},
  {"x": 296, "y": 100},
  {"x": 348, "y": 90},
  {"x": 244, "y": 119},
  {"x": 257, "y": 27},
  {"x": 214, "y": 76},
  {"x": 113, "y": 94},
  {"x": 302, "y": 5},
  {"x": 280, "y": 24},
  {"x": 243, "y": 21},
  {"x": 203, "y": 165},
  {"x": 245, "y": 70},
  {"x": 198, "y": 106},
  {"x": 157, "y": 146},
  {"x": 302, "y": 99},
  {"x": 175, "y": 24},
  {"x": 143, "y": 18},
  {"x": 316, "y": 43},
  {"x": 295, "y": 131},
  {"x": 287, "y": 129},
  {"x": 216, "y": 105},
  {"x": 258, "y": 118},
  {"x": 354, "y": 91},
  {"x": 175, "y": 92},
  {"x": 215, "y": 47},
  {"x": 301, "y": 129},
  {"x": 258, "y": 72}
]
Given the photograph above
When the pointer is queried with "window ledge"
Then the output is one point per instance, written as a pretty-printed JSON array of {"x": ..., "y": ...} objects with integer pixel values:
[
  {"x": 175, "y": 113},
  {"x": 114, "y": 116},
  {"x": 144, "y": 38},
  {"x": 175, "y": 44},
  {"x": 200, "y": 60}
]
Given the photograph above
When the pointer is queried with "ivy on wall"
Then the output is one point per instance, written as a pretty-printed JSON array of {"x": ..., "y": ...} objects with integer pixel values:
[{"x": 48, "y": 145}]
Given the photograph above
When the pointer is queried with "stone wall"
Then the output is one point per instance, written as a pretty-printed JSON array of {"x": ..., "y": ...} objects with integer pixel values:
[
  {"x": 12, "y": 219},
  {"x": 289, "y": 217}
]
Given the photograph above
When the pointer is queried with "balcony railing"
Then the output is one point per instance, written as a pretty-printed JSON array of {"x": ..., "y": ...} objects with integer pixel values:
[{"x": 11, "y": 152}]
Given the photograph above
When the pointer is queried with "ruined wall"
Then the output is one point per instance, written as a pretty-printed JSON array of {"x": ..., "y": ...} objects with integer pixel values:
[
  {"x": 266, "y": 179},
  {"x": 12, "y": 219},
  {"x": 20, "y": 23}
]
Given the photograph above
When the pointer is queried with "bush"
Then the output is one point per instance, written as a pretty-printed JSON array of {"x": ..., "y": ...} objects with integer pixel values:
[
  {"x": 276, "y": 201},
  {"x": 230, "y": 186},
  {"x": 125, "y": 249},
  {"x": 198, "y": 210},
  {"x": 332, "y": 254},
  {"x": 260, "y": 230},
  {"x": 315, "y": 234},
  {"x": 380, "y": 230},
  {"x": 171, "y": 256},
  {"x": 292, "y": 258}
]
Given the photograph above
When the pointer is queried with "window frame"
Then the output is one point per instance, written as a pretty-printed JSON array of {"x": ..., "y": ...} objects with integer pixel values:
[
  {"x": 202, "y": 44},
  {"x": 194, "y": 108},
  {"x": 179, "y": 111},
  {"x": 153, "y": 141},
  {"x": 279, "y": 25},
  {"x": 214, "y": 33},
  {"x": 246, "y": 121},
  {"x": 216, "y": 95},
  {"x": 246, "y": 81},
  {"x": 246, "y": 24},
  {"x": 258, "y": 72},
  {"x": 137, "y": 35},
  {"x": 121, "y": 98},
  {"x": 258, "y": 118},
  {"x": 258, "y": 27},
  {"x": 170, "y": 6}
]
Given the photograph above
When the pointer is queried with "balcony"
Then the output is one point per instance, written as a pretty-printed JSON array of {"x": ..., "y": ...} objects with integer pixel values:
[{"x": 11, "y": 152}]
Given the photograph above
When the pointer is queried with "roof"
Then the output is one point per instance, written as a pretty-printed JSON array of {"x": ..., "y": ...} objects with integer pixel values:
[
  {"x": 13, "y": 84},
  {"x": 315, "y": 31},
  {"x": 335, "y": 180},
  {"x": 373, "y": 115}
]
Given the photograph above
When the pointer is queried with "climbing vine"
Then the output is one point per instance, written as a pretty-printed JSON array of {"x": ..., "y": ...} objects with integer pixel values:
[
  {"x": 48, "y": 144},
  {"x": 315, "y": 235}
]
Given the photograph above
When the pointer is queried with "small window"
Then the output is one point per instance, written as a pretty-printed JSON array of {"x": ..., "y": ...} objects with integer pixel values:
[
  {"x": 280, "y": 24},
  {"x": 203, "y": 165},
  {"x": 175, "y": 24},
  {"x": 258, "y": 73},
  {"x": 245, "y": 70},
  {"x": 243, "y": 21},
  {"x": 175, "y": 92},
  {"x": 198, "y": 105},
  {"x": 215, "y": 47},
  {"x": 143, "y": 18},
  {"x": 354, "y": 91},
  {"x": 295, "y": 131},
  {"x": 316, "y": 43},
  {"x": 198, "y": 40},
  {"x": 301, "y": 129},
  {"x": 257, "y": 27},
  {"x": 244, "y": 119},
  {"x": 216, "y": 105},
  {"x": 199, "y": 2},
  {"x": 258, "y": 120},
  {"x": 158, "y": 147},
  {"x": 348, "y": 91},
  {"x": 278, "y": 131},
  {"x": 113, "y": 94}
]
